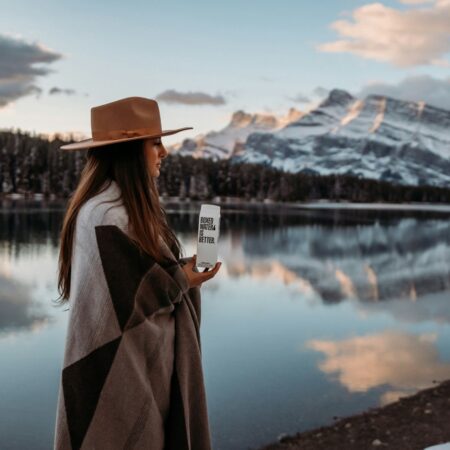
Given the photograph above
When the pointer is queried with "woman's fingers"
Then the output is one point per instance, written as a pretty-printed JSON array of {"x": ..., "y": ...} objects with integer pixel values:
[
  {"x": 193, "y": 263},
  {"x": 211, "y": 273},
  {"x": 207, "y": 269},
  {"x": 197, "y": 277}
]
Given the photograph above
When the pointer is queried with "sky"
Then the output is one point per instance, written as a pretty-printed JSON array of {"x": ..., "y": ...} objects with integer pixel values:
[{"x": 204, "y": 60}]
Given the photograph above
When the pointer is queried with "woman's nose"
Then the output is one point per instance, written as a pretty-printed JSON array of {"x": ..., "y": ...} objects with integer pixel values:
[{"x": 164, "y": 152}]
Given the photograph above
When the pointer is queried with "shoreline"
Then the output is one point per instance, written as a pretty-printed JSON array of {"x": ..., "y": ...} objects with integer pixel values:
[
  {"x": 411, "y": 423},
  {"x": 238, "y": 202}
]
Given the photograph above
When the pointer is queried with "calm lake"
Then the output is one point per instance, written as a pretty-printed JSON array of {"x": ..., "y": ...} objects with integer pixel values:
[{"x": 315, "y": 313}]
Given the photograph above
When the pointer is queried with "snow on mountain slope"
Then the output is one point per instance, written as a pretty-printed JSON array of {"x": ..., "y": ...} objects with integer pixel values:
[
  {"x": 377, "y": 137},
  {"x": 228, "y": 142}
]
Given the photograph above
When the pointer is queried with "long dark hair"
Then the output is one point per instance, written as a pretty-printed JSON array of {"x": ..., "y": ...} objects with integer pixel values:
[{"x": 125, "y": 163}]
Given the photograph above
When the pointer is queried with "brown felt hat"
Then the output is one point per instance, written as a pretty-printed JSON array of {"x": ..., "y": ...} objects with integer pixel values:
[{"x": 126, "y": 119}]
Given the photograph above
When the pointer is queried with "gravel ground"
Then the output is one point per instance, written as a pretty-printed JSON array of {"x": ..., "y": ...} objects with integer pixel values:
[{"x": 411, "y": 423}]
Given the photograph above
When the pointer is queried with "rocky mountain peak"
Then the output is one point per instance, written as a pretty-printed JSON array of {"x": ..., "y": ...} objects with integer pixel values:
[
  {"x": 338, "y": 97},
  {"x": 240, "y": 119}
]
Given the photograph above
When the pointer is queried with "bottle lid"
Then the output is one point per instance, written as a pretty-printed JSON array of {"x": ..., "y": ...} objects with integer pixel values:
[{"x": 209, "y": 209}]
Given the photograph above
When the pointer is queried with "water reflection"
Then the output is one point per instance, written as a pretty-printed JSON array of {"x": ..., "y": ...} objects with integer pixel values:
[
  {"x": 29, "y": 239},
  {"x": 18, "y": 308},
  {"x": 368, "y": 257},
  {"x": 405, "y": 362},
  {"x": 366, "y": 263},
  {"x": 433, "y": 307},
  {"x": 26, "y": 223},
  {"x": 303, "y": 298}
]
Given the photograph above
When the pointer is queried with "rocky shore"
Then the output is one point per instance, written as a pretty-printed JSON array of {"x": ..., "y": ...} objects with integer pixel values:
[{"x": 411, "y": 423}]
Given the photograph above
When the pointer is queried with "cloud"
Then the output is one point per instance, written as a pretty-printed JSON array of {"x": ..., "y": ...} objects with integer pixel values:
[
  {"x": 300, "y": 98},
  {"x": 268, "y": 79},
  {"x": 57, "y": 90},
  {"x": 415, "y": 2},
  {"x": 18, "y": 72},
  {"x": 415, "y": 88},
  {"x": 403, "y": 38},
  {"x": 403, "y": 361},
  {"x": 12, "y": 90},
  {"x": 190, "y": 98},
  {"x": 320, "y": 91}
]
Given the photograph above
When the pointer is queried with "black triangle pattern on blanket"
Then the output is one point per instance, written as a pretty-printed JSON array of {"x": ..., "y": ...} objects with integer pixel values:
[
  {"x": 175, "y": 429},
  {"x": 82, "y": 384},
  {"x": 138, "y": 286},
  {"x": 124, "y": 265}
]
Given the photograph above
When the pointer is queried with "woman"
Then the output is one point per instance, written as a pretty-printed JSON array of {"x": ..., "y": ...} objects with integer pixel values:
[{"x": 132, "y": 375}]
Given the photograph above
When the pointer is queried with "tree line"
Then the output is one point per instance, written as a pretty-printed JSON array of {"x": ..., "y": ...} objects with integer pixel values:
[{"x": 30, "y": 164}]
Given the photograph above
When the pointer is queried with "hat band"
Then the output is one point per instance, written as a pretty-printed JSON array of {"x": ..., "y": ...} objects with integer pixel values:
[{"x": 120, "y": 134}]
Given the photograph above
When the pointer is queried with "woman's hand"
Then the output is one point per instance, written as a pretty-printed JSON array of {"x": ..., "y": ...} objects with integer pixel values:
[{"x": 197, "y": 278}]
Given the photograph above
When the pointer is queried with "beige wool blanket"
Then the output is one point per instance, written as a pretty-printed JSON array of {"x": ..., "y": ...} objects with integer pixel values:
[{"x": 132, "y": 373}]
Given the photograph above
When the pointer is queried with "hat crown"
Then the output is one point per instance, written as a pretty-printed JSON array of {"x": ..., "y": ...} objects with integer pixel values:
[{"x": 127, "y": 117}]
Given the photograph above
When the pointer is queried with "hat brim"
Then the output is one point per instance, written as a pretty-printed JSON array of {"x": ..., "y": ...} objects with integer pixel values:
[{"x": 89, "y": 143}]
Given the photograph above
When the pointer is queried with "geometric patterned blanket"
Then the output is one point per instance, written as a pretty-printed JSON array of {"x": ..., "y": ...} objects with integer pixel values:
[{"x": 132, "y": 373}]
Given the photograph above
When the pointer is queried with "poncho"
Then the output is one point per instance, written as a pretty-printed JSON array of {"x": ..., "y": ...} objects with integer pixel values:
[{"x": 129, "y": 317}]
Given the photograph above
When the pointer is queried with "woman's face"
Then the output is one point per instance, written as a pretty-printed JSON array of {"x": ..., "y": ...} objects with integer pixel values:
[{"x": 154, "y": 152}]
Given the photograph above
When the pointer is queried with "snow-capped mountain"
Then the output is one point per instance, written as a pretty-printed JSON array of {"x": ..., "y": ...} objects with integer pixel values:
[
  {"x": 376, "y": 137},
  {"x": 229, "y": 141}
]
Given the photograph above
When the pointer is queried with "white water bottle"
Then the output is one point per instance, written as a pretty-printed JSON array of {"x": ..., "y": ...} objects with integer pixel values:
[{"x": 208, "y": 236}]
